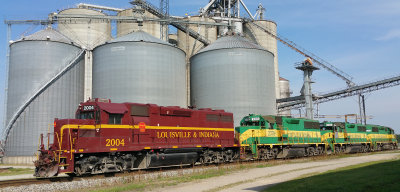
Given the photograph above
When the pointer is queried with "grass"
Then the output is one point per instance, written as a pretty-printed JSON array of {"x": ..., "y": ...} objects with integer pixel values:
[
  {"x": 161, "y": 182},
  {"x": 15, "y": 171},
  {"x": 371, "y": 176}
]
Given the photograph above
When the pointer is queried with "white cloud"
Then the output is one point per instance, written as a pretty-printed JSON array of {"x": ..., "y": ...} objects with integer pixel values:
[{"x": 390, "y": 35}]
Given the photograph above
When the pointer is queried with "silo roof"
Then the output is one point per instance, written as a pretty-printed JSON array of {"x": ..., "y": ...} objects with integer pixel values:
[
  {"x": 231, "y": 41},
  {"x": 47, "y": 34},
  {"x": 139, "y": 36}
]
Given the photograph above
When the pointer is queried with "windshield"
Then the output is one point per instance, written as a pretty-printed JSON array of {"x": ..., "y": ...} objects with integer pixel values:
[{"x": 85, "y": 115}]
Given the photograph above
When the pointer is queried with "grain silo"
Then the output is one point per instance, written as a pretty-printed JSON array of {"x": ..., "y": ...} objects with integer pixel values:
[
  {"x": 126, "y": 27},
  {"x": 88, "y": 33},
  {"x": 140, "y": 68},
  {"x": 266, "y": 41},
  {"x": 284, "y": 93},
  {"x": 45, "y": 81},
  {"x": 189, "y": 44},
  {"x": 236, "y": 75}
]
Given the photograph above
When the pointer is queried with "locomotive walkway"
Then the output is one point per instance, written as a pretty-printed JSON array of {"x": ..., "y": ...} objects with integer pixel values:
[{"x": 258, "y": 179}]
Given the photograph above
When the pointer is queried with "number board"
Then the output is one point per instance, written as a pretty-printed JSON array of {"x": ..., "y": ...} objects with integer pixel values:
[{"x": 88, "y": 108}]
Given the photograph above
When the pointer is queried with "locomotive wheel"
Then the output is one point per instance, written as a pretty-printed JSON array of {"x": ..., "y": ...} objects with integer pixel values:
[
  {"x": 78, "y": 171},
  {"x": 310, "y": 151},
  {"x": 337, "y": 150},
  {"x": 270, "y": 154}
]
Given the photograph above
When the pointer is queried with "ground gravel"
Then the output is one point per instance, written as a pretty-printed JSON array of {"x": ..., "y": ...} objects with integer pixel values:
[{"x": 108, "y": 181}]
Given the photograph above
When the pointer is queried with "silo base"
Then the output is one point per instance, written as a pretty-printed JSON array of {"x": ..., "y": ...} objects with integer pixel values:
[{"x": 19, "y": 160}]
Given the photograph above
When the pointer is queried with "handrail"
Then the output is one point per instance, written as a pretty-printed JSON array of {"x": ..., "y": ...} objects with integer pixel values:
[
  {"x": 59, "y": 147},
  {"x": 70, "y": 141}
]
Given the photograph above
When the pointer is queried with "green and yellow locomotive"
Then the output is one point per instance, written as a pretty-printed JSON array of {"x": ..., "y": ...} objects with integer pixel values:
[{"x": 270, "y": 137}]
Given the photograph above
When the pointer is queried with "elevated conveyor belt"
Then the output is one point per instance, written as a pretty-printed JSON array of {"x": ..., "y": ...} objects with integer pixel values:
[
  {"x": 324, "y": 64},
  {"x": 155, "y": 11},
  {"x": 298, "y": 101}
]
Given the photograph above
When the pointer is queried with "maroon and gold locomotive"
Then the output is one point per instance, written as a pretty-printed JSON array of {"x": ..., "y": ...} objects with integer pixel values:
[{"x": 110, "y": 137}]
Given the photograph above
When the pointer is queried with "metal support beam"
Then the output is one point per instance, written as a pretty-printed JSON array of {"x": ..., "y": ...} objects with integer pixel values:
[
  {"x": 179, "y": 25},
  {"x": 164, "y": 8},
  {"x": 85, "y": 5},
  {"x": 6, "y": 77},
  {"x": 247, "y": 10},
  {"x": 361, "y": 103}
]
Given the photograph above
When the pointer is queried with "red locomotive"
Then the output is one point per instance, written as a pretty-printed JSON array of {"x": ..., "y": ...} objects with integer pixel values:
[{"x": 110, "y": 137}]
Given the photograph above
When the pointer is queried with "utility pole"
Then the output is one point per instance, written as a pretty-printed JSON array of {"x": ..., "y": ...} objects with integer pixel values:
[{"x": 361, "y": 104}]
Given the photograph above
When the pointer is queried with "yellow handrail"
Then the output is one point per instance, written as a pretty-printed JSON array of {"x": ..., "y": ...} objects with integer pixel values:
[
  {"x": 70, "y": 141},
  {"x": 37, "y": 154},
  {"x": 59, "y": 147}
]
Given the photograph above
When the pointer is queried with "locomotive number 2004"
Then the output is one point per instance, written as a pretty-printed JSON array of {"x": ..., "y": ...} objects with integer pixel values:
[{"x": 115, "y": 142}]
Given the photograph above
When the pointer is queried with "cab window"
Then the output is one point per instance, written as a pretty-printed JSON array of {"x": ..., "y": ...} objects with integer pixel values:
[
  {"x": 85, "y": 115},
  {"x": 114, "y": 118}
]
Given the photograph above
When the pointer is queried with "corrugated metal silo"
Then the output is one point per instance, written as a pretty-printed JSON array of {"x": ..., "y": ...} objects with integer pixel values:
[
  {"x": 140, "y": 68},
  {"x": 235, "y": 75},
  {"x": 34, "y": 61},
  {"x": 124, "y": 28},
  {"x": 266, "y": 41}
]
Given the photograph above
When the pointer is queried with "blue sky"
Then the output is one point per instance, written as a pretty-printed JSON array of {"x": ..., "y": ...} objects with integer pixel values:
[{"x": 361, "y": 37}]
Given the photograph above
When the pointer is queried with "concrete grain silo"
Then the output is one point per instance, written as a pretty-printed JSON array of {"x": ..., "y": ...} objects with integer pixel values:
[
  {"x": 35, "y": 95},
  {"x": 236, "y": 75},
  {"x": 284, "y": 93},
  {"x": 86, "y": 32},
  {"x": 140, "y": 68},
  {"x": 189, "y": 44},
  {"x": 126, "y": 27}
]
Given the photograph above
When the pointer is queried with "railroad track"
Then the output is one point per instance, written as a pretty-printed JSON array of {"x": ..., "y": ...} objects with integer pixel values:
[
  {"x": 20, "y": 182},
  {"x": 31, "y": 181}
]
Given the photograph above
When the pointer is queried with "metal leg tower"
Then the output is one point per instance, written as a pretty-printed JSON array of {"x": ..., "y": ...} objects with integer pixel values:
[
  {"x": 164, "y": 8},
  {"x": 307, "y": 68}
]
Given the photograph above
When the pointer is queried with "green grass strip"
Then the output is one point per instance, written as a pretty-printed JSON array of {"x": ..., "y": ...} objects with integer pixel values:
[
  {"x": 15, "y": 171},
  {"x": 365, "y": 177}
]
